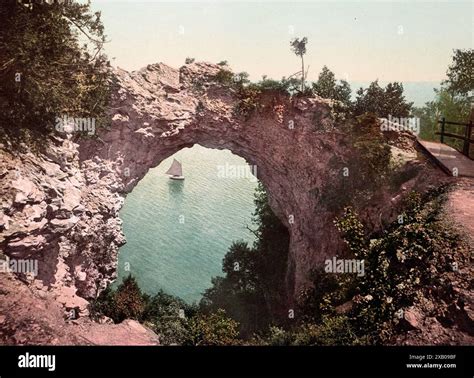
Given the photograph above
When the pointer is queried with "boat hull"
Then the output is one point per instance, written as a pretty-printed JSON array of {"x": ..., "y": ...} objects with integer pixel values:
[{"x": 177, "y": 177}]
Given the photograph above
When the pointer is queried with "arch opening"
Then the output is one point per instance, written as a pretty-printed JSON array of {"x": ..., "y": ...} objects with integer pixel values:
[{"x": 178, "y": 232}]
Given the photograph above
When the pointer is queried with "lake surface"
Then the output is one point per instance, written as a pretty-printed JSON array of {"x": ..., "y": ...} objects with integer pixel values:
[{"x": 178, "y": 231}]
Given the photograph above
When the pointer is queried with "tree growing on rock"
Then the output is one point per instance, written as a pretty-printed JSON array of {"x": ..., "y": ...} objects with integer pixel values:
[
  {"x": 328, "y": 87},
  {"x": 299, "y": 48},
  {"x": 128, "y": 300},
  {"x": 382, "y": 101}
]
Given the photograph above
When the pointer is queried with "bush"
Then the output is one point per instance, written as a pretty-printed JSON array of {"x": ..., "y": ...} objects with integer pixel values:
[
  {"x": 225, "y": 77},
  {"x": 401, "y": 263},
  {"x": 336, "y": 330},
  {"x": 213, "y": 329},
  {"x": 169, "y": 316}
]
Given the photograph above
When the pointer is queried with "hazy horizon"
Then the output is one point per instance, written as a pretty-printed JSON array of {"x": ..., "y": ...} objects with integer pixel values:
[{"x": 359, "y": 40}]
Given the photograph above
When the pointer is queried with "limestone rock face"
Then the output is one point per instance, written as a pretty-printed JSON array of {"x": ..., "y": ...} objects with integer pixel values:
[{"x": 61, "y": 206}]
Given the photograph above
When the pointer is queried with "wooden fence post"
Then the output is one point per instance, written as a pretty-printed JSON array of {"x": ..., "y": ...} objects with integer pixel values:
[
  {"x": 467, "y": 140},
  {"x": 441, "y": 137}
]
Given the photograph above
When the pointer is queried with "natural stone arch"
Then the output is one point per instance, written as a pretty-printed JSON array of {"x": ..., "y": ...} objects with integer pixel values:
[
  {"x": 61, "y": 206},
  {"x": 159, "y": 110}
]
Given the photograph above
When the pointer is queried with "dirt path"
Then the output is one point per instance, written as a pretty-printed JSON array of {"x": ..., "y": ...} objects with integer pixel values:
[{"x": 460, "y": 206}]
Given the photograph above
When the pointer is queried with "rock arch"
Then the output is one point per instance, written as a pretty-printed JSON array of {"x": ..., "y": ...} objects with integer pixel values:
[
  {"x": 62, "y": 206},
  {"x": 158, "y": 110}
]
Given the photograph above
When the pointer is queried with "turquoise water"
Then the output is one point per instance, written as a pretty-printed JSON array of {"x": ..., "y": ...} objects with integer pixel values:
[{"x": 178, "y": 231}]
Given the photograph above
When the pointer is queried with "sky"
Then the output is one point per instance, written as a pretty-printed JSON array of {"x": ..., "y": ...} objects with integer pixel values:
[{"x": 358, "y": 40}]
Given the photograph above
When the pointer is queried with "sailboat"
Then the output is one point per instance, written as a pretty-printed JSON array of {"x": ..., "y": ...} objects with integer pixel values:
[{"x": 175, "y": 171}]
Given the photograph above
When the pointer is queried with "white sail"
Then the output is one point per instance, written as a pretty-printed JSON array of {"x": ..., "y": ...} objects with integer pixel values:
[{"x": 175, "y": 169}]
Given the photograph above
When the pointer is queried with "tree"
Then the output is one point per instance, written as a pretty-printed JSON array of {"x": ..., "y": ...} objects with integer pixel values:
[
  {"x": 128, "y": 301},
  {"x": 447, "y": 105},
  {"x": 46, "y": 69},
  {"x": 382, "y": 101},
  {"x": 168, "y": 316},
  {"x": 299, "y": 48},
  {"x": 453, "y": 100},
  {"x": 460, "y": 73},
  {"x": 327, "y": 87}
]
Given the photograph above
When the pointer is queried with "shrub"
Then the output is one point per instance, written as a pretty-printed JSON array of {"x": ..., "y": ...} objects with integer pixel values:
[
  {"x": 225, "y": 77},
  {"x": 408, "y": 257},
  {"x": 128, "y": 301},
  {"x": 169, "y": 316},
  {"x": 335, "y": 330},
  {"x": 213, "y": 329}
]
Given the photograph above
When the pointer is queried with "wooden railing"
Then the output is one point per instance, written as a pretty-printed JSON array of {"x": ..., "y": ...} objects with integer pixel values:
[{"x": 466, "y": 138}]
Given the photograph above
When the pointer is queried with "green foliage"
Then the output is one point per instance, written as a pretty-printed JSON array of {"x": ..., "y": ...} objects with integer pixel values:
[
  {"x": 352, "y": 230},
  {"x": 448, "y": 105},
  {"x": 249, "y": 100},
  {"x": 213, "y": 329},
  {"x": 286, "y": 86},
  {"x": 453, "y": 101},
  {"x": 382, "y": 101},
  {"x": 367, "y": 169},
  {"x": 40, "y": 45},
  {"x": 165, "y": 314},
  {"x": 127, "y": 302},
  {"x": 241, "y": 79},
  {"x": 168, "y": 316},
  {"x": 400, "y": 264},
  {"x": 372, "y": 148},
  {"x": 225, "y": 77},
  {"x": 460, "y": 78},
  {"x": 103, "y": 305},
  {"x": 327, "y": 87},
  {"x": 327, "y": 292},
  {"x": 189, "y": 60},
  {"x": 298, "y": 46},
  {"x": 250, "y": 292},
  {"x": 336, "y": 330},
  {"x": 222, "y": 63}
]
